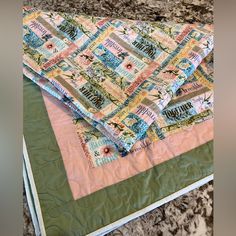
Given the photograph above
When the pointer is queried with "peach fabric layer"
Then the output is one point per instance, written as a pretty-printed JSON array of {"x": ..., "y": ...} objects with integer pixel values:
[{"x": 85, "y": 180}]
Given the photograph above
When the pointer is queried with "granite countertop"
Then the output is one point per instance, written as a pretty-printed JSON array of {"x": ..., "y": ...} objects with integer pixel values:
[{"x": 192, "y": 213}]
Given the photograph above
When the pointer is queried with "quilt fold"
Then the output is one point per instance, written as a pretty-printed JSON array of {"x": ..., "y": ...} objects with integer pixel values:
[
  {"x": 192, "y": 104},
  {"x": 117, "y": 75}
]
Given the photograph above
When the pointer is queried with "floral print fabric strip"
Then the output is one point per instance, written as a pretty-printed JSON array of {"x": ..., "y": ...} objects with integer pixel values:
[{"x": 119, "y": 75}]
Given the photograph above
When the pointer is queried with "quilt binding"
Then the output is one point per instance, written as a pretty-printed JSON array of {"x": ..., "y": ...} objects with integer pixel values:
[{"x": 38, "y": 213}]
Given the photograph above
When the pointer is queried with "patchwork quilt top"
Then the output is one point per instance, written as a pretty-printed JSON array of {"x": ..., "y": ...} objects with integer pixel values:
[
  {"x": 119, "y": 73},
  {"x": 118, "y": 114}
]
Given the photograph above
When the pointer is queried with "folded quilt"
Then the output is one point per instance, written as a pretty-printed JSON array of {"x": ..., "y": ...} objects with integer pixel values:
[
  {"x": 122, "y": 77},
  {"x": 115, "y": 111}
]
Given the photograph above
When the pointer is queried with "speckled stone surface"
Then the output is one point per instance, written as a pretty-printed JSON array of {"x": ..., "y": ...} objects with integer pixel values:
[
  {"x": 178, "y": 10},
  {"x": 190, "y": 214}
]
